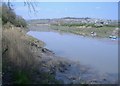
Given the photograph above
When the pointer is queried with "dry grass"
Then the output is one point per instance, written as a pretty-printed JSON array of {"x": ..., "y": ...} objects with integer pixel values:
[
  {"x": 18, "y": 60},
  {"x": 18, "y": 49},
  {"x": 20, "y": 63}
]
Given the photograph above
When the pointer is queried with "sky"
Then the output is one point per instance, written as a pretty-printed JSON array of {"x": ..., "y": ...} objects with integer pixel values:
[{"x": 45, "y": 10}]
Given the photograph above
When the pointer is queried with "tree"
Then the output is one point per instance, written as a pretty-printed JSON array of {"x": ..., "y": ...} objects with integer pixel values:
[
  {"x": 20, "y": 22},
  {"x": 8, "y": 15}
]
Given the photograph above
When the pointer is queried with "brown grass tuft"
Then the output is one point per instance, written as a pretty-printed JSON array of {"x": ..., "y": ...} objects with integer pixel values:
[{"x": 18, "y": 49}]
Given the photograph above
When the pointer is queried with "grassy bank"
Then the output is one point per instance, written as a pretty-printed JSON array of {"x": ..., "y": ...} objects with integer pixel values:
[
  {"x": 20, "y": 63},
  {"x": 102, "y": 32},
  {"x": 102, "y": 29}
]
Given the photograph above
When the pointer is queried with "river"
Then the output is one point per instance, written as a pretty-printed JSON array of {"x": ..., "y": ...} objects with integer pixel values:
[{"x": 100, "y": 54}]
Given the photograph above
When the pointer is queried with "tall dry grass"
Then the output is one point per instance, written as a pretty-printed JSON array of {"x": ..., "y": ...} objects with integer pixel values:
[
  {"x": 20, "y": 63},
  {"x": 16, "y": 49}
]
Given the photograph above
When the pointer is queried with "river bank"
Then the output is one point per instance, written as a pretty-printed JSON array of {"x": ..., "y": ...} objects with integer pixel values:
[
  {"x": 25, "y": 57},
  {"x": 55, "y": 45},
  {"x": 83, "y": 30}
]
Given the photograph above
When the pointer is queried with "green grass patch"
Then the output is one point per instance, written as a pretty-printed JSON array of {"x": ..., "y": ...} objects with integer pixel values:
[
  {"x": 47, "y": 78},
  {"x": 77, "y": 24},
  {"x": 104, "y": 31},
  {"x": 21, "y": 77},
  {"x": 32, "y": 39}
]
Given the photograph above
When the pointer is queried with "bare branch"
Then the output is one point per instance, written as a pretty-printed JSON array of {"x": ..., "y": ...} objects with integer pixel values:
[{"x": 29, "y": 3}]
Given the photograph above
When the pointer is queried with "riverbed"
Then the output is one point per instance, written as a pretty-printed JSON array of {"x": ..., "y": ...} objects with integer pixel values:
[{"x": 99, "y": 54}]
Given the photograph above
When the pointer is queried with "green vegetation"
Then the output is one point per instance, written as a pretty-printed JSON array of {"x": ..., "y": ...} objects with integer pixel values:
[
  {"x": 47, "y": 78},
  {"x": 79, "y": 27},
  {"x": 84, "y": 24},
  {"x": 104, "y": 31},
  {"x": 21, "y": 77},
  {"x": 20, "y": 22},
  {"x": 8, "y": 15},
  {"x": 77, "y": 24}
]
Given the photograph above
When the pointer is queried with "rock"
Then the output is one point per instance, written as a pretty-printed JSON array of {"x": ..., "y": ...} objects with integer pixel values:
[
  {"x": 53, "y": 70},
  {"x": 61, "y": 70},
  {"x": 44, "y": 69},
  {"x": 39, "y": 47},
  {"x": 104, "y": 79},
  {"x": 72, "y": 78},
  {"x": 43, "y": 50},
  {"x": 63, "y": 66},
  {"x": 94, "y": 82},
  {"x": 43, "y": 62},
  {"x": 33, "y": 44},
  {"x": 69, "y": 65},
  {"x": 39, "y": 56}
]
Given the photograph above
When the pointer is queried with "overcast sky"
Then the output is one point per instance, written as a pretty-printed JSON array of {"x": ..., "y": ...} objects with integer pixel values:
[{"x": 104, "y": 10}]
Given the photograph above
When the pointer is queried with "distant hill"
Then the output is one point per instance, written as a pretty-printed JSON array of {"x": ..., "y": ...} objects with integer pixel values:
[{"x": 73, "y": 20}]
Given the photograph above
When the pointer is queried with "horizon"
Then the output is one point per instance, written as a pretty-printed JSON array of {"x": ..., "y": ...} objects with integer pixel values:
[
  {"x": 71, "y": 18},
  {"x": 52, "y": 10}
]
